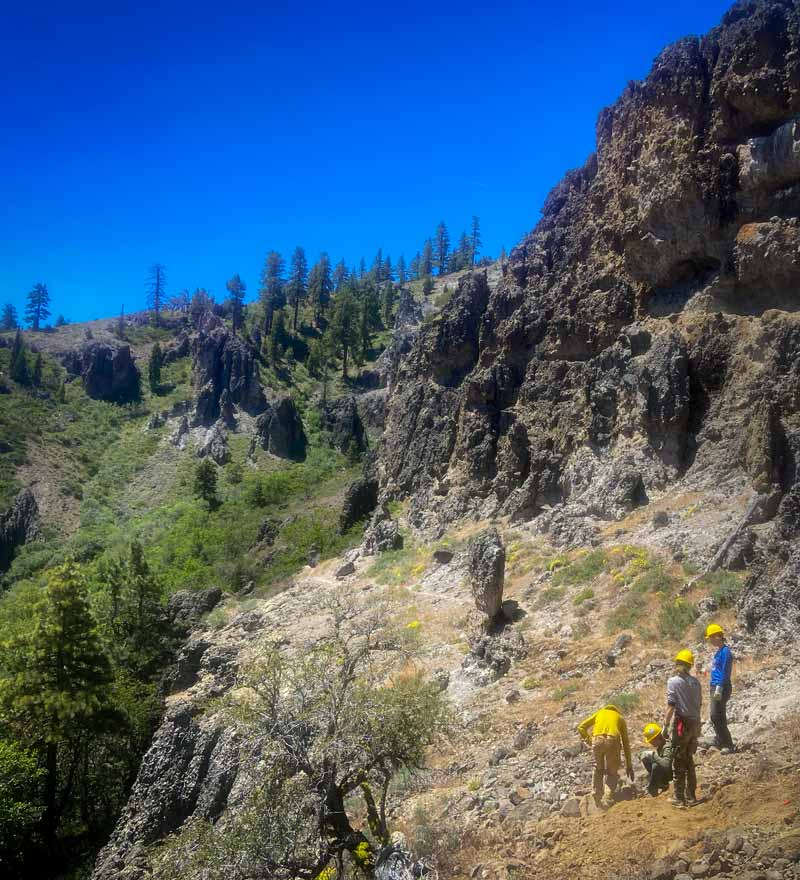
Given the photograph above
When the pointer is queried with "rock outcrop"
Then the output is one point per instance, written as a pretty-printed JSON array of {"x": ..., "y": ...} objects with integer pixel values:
[
  {"x": 341, "y": 422},
  {"x": 360, "y": 500},
  {"x": 107, "y": 372},
  {"x": 487, "y": 564},
  {"x": 18, "y": 525},
  {"x": 215, "y": 444},
  {"x": 279, "y": 430},
  {"x": 222, "y": 362},
  {"x": 646, "y": 332}
]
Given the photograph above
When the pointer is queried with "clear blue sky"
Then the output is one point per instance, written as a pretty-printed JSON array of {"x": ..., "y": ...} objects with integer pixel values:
[{"x": 204, "y": 136}]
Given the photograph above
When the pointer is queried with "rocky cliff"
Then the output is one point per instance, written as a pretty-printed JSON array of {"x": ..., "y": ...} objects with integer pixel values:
[{"x": 645, "y": 335}]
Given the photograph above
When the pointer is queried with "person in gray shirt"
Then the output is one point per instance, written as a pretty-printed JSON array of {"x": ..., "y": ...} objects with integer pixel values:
[{"x": 683, "y": 720}]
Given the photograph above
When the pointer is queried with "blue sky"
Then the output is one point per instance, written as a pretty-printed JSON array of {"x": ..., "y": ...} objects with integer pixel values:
[{"x": 204, "y": 135}]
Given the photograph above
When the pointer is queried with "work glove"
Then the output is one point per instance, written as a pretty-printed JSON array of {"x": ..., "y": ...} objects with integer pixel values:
[
  {"x": 718, "y": 693},
  {"x": 630, "y": 774}
]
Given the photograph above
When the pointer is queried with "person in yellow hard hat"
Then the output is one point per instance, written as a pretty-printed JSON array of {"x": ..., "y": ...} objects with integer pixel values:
[
  {"x": 609, "y": 733},
  {"x": 657, "y": 760},
  {"x": 683, "y": 720},
  {"x": 721, "y": 688}
]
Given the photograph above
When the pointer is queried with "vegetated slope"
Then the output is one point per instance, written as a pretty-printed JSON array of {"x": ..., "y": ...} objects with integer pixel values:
[{"x": 644, "y": 338}]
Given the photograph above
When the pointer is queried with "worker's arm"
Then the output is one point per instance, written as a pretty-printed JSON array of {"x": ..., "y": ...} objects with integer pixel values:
[
  {"x": 583, "y": 728},
  {"x": 668, "y": 717},
  {"x": 665, "y": 758}
]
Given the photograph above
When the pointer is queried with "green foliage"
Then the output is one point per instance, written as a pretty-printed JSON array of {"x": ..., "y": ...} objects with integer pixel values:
[
  {"x": 37, "y": 309},
  {"x": 205, "y": 482},
  {"x": 628, "y": 613},
  {"x": 549, "y": 596},
  {"x": 675, "y": 617},
  {"x": 565, "y": 690},
  {"x": 437, "y": 841},
  {"x": 584, "y": 568},
  {"x": 583, "y": 596},
  {"x": 724, "y": 586},
  {"x": 18, "y": 369},
  {"x": 20, "y": 804},
  {"x": 656, "y": 580},
  {"x": 9, "y": 319}
]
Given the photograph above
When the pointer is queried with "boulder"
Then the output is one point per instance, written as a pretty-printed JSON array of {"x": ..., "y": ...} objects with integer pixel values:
[
  {"x": 215, "y": 444},
  {"x": 18, "y": 525},
  {"x": 179, "y": 435},
  {"x": 185, "y": 608},
  {"x": 279, "y": 430},
  {"x": 486, "y": 562},
  {"x": 107, "y": 372},
  {"x": 344, "y": 570},
  {"x": 341, "y": 422}
]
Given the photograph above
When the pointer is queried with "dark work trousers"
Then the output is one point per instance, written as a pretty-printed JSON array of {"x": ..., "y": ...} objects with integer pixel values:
[
  {"x": 660, "y": 777},
  {"x": 719, "y": 718}
]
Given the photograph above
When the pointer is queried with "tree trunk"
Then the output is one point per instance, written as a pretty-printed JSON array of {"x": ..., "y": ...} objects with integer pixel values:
[
  {"x": 50, "y": 815},
  {"x": 296, "y": 307}
]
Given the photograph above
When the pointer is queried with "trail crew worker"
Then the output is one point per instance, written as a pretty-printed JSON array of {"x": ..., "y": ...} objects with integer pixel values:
[
  {"x": 684, "y": 707},
  {"x": 657, "y": 760},
  {"x": 609, "y": 734},
  {"x": 721, "y": 667}
]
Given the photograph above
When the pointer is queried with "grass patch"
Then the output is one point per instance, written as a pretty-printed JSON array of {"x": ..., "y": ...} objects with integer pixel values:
[
  {"x": 549, "y": 596},
  {"x": 625, "y": 702},
  {"x": 583, "y": 596},
  {"x": 532, "y": 684},
  {"x": 628, "y": 613},
  {"x": 656, "y": 580},
  {"x": 565, "y": 690}
]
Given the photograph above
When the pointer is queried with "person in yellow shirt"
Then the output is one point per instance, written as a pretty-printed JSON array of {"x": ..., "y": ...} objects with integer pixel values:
[{"x": 609, "y": 734}]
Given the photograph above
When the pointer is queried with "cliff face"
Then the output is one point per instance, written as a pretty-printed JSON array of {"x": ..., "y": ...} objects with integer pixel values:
[{"x": 646, "y": 333}]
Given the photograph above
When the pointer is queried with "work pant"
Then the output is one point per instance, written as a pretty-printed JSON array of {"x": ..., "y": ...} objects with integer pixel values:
[
  {"x": 659, "y": 777},
  {"x": 605, "y": 750},
  {"x": 685, "y": 732},
  {"x": 719, "y": 718}
]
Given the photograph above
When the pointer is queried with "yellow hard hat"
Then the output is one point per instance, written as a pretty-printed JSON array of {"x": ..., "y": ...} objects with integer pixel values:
[
  {"x": 685, "y": 656},
  {"x": 651, "y": 731},
  {"x": 714, "y": 629}
]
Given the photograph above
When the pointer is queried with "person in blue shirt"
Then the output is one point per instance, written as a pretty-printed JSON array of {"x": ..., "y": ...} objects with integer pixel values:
[{"x": 721, "y": 666}]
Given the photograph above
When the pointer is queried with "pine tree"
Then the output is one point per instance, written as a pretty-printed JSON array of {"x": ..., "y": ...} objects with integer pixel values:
[
  {"x": 427, "y": 286},
  {"x": 121, "y": 323},
  {"x": 339, "y": 275},
  {"x": 37, "y": 309},
  {"x": 277, "y": 339},
  {"x": 320, "y": 359},
  {"x": 388, "y": 304},
  {"x": 442, "y": 247},
  {"x": 61, "y": 321},
  {"x": 201, "y": 302},
  {"x": 236, "y": 288},
  {"x": 271, "y": 292},
  {"x": 426, "y": 260},
  {"x": 401, "y": 271},
  {"x": 344, "y": 323},
  {"x": 362, "y": 268},
  {"x": 156, "y": 290},
  {"x": 462, "y": 259},
  {"x": 476, "y": 241},
  {"x": 37, "y": 371},
  {"x": 320, "y": 287},
  {"x": 377, "y": 267},
  {"x": 369, "y": 319},
  {"x": 388, "y": 271},
  {"x": 298, "y": 276},
  {"x": 205, "y": 482},
  {"x": 55, "y": 684},
  {"x": 9, "y": 320},
  {"x": 18, "y": 369},
  {"x": 154, "y": 368},
  {"x": 415, "y": 265}
]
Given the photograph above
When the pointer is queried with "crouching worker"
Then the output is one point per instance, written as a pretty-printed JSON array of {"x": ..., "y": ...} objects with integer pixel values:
[
  {"x": 609, "y": 735},
  {"x": 684, "y": 705},
  {"x": 658, "y": 761}
]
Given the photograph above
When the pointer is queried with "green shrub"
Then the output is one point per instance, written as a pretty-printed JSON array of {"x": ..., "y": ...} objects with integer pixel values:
[
  {"x": 583, "y": 596},
  {"x": 675, "y": 617},
  {"x": 583, "y": 569},
  {"x": 531, "y": 684},
  {"x": 724, "y": 587},
  {"x": 549, "y": 596},
  {"x": 656, "y": 580},
  {"x": 565, "y": 690}
]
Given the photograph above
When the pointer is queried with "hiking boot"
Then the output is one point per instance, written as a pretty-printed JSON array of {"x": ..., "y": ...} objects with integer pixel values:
[
  {"x": 691, "y": 801},
  {"x": 727, "y": 751},
  {"x": 677, "y": 802}
]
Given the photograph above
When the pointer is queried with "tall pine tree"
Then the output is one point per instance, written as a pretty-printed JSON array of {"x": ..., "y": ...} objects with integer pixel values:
[
  {"x": 401, "y": 270},
  {"x": 320, "y": 287},
  {"x": 344, "y": 327},
  {"x": 236, "y": 288},
  {"x": 298, "y": 276},
  {"x": 37, "y": 309},
  {"x": 19, "y": 361},
  {"x": 476, "y": 241},
  {"x": 441, "y": 247},
  {"x": 9, "y": 320},
  {"x": 156, "y": 289},
  {"x": 271, "y": 292}
]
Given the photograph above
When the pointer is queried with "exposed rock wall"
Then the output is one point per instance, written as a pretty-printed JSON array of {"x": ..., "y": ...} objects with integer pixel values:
[
  {"x": 107, "y": 372},
  {"x": 18, "y": 525}
]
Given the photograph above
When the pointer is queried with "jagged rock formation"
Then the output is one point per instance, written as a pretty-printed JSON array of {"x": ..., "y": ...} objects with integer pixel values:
[
  {"x": 487, "y": 564},
  {"x": 215, "y": 444},
  {"x": 646, "y": 332},
  {"x": 382, "y": 533},
  {"x": 223, "y": 363},
  {"x": 360, "y": 500},
  {"x": 341, "y": 421},
  {"x": 107, "y": 373},
  {"x": 279, "y": 430},
  {"x": 18, "y": 525}
]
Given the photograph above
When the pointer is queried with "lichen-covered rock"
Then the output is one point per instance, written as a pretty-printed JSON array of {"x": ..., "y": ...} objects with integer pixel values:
[
  {"x": 107, "y": 372},
  {"x": 279, "y": 430},
  {"x": 487, "y": 562},
  {"x": 214, "y": 444},
  {"x": 382, "y": 534},
  {"x": 185, "y": 608},
  {"x": 341, "y": 422},
  {"x": 18, "y": 525}
]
